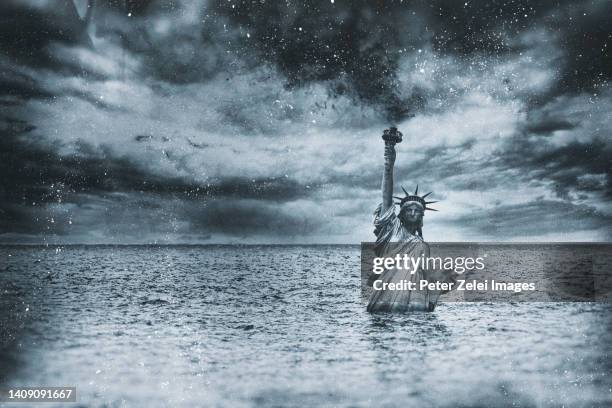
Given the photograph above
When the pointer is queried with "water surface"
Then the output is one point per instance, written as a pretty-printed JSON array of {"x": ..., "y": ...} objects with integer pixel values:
[{"x": 233, "y": 326}]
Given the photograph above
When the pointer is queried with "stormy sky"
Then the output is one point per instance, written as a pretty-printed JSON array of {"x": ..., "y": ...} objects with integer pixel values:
[{"x": 182, "y": 121}]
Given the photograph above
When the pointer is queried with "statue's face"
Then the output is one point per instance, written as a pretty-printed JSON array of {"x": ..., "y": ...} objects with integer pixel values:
[{"x": 412, "y": 213}]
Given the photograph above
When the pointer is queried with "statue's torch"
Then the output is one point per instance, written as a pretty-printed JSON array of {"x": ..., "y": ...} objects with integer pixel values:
[{"x": 392, "y": 136}]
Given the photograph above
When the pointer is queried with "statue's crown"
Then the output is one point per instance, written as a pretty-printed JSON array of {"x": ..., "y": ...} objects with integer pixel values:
[{"x": 415, "y": 198}]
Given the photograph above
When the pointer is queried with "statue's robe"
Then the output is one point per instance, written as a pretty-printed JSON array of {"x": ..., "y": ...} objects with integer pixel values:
[{"x": 393, "y": 238}]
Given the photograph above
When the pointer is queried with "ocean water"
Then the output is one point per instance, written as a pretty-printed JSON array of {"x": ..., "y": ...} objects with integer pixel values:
[{"x": 275, "y": 326}]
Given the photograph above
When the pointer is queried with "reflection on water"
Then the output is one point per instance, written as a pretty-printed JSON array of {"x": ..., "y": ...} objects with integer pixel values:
[{"x": 279, "y": 326}]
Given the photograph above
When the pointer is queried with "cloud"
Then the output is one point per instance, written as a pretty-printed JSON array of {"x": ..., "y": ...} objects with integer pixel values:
[
  {"x": 219, "y": 121},
  {"x": 536, "y": 219}
]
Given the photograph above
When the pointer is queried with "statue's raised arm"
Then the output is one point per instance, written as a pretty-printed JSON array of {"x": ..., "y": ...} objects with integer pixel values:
[{"x": 391, "y": 136}]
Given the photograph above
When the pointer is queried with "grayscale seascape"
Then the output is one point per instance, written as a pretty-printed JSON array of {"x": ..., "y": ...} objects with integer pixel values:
[
  {"x": 195, "y": 194},
  {"x": 233, "y": 326}
]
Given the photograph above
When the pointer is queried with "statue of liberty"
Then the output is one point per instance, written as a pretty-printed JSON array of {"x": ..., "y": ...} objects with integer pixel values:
[{"x": 402, "y": 234}]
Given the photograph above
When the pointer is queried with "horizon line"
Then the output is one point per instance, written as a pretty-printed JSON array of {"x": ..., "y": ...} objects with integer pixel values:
[{"x": 6, "y": 244}]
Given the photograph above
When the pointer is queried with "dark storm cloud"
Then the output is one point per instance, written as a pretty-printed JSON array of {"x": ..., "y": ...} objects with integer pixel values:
[
  {"x": 586, "y": 38},
  {"x": 27, "y": 29},
  {"x": 488, "y": 28},
  {"x": 357, "y": 45},
  {"x": 353, "y": 44},
  {"x": 30, "y": 170},
  {"x": 548, "y": 126},
  {"x": 244, "y": 218},
  {"x": 179, "y": 52},
  {"x": 535, "y": 218},
  {"x": 36, "y": 175},
  {"x": 17, "y": 85},
  {"x": 565, "y": 166}
]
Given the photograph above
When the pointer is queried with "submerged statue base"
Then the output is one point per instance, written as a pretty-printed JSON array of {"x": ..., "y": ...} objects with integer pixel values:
[{"x": 392, "y": 240}]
